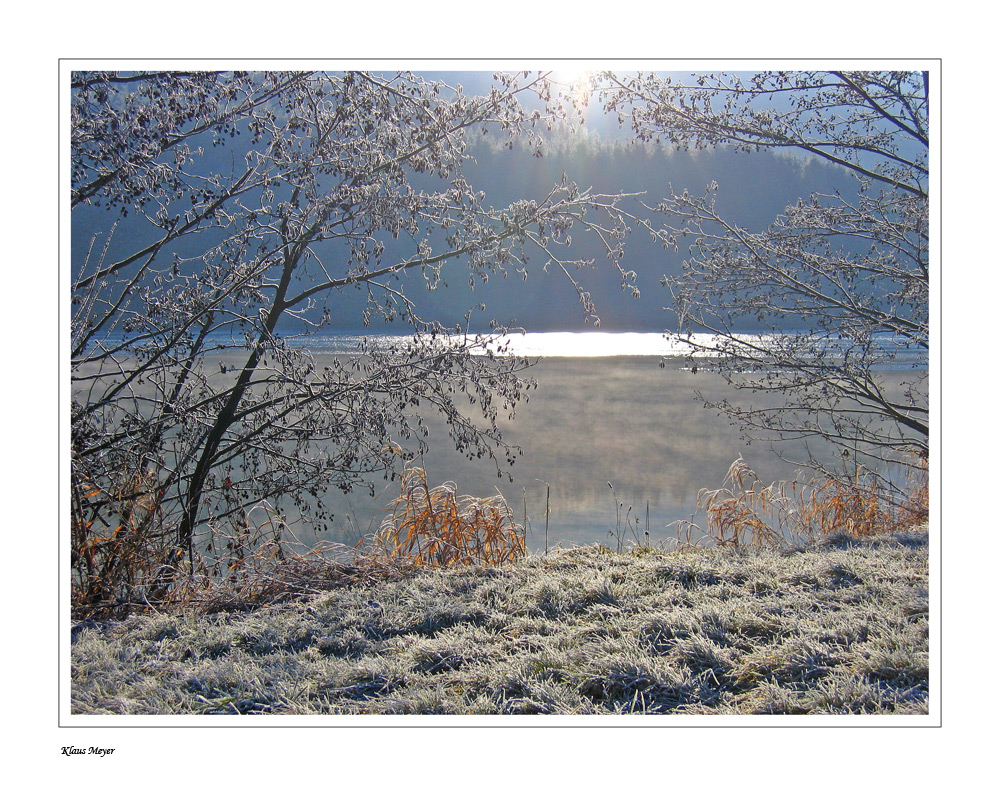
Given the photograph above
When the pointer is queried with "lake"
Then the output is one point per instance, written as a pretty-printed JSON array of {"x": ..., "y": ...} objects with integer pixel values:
[{"x": 607, "y": 433}]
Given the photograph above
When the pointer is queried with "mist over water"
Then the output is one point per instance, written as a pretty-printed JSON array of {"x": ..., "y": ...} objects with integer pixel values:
[
  {"x": 608, "y": 432},
  {"x": 606, "y": 435}
]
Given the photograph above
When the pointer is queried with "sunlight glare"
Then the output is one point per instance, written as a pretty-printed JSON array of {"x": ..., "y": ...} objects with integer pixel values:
[{"x": 576, "y": 83}]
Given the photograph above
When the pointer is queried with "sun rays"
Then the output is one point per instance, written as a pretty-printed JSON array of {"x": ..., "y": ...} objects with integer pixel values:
[{"x": 577, "y": 83}]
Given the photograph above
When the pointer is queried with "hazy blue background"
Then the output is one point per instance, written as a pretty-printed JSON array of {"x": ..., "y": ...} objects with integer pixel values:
[{"x": 753, "y": 190}]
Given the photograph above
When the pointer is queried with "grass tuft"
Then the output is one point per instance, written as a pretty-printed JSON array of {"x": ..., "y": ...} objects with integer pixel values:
[
  {"x": 745, "y": 511},
  {"x": 436, "y": 526}
]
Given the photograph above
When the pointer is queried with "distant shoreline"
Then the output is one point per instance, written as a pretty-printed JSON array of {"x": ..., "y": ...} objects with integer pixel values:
[{"x": 582, "y": 344}]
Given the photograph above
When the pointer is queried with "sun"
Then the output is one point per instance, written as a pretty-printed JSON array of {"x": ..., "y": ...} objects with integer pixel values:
[{"x": 577, "y": 83}]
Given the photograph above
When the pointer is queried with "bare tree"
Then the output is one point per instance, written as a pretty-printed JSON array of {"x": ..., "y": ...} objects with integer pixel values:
[
  {"x": 824, "y": 306},
  {"x": 239, "y": 204}
]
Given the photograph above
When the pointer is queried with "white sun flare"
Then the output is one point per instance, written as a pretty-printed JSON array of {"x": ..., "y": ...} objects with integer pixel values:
[{"x": 576, "y": 82}]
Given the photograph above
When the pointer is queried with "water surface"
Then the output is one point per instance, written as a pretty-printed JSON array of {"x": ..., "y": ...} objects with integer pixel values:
[
  {"x": 614, "y": 437},
  {"x": 605, "y": 437}
]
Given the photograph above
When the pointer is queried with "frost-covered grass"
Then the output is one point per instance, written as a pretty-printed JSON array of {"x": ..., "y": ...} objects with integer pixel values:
[{"x": 839, "y": 628}]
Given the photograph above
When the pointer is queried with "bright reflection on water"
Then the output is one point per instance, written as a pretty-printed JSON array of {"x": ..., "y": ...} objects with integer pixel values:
[
  {"x": 554, "y": 344},
  {"x": 591, "y": 344}
]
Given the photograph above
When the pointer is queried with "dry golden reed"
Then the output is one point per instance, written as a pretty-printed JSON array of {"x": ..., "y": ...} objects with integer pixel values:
[
  {"x": 120, "y": 544},
  {"x": 119, "y": 548},
  {"x": 436, "y": 526},
  {"x": 860, "y": 507},
  {"x": 746, "y": 511}
]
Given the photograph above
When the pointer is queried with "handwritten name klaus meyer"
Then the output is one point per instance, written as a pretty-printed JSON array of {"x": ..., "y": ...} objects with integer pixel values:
[{"x": 70, "y": 751}]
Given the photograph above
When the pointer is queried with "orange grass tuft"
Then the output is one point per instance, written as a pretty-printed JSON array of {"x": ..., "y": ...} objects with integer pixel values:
[
  {"x": 738, "y": 512},
  {"x": 861, "y": 507},
  {"x": 745, "y": 511},
  {"x": 435, "y": 526},
  {"x": 113, "y": 551},
  {"x": 120, "y": 544}
]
